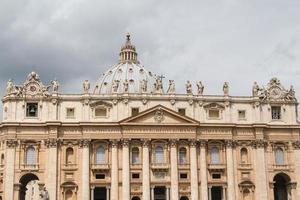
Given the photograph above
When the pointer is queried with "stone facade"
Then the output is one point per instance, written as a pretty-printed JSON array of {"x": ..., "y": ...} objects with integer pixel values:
[{"x": 128, "y": 139}]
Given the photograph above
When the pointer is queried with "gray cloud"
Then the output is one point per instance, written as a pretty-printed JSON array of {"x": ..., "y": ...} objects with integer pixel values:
[{"x": 214, "y": 41}]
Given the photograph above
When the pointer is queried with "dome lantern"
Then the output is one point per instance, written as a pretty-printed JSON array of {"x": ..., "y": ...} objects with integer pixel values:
[{"x": 128, "y": 53}]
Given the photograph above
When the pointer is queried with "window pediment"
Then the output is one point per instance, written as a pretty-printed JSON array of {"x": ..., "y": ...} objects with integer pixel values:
[
  {"x": 101, "y": 103},
  {"x": 216, "y": 106}
]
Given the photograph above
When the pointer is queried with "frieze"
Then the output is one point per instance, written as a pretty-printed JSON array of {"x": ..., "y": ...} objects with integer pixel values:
[
  {"x": 216, "y": 131},
  {"x": 11, "y": 143},
  {"x": 159, "y": 129},
  {"x": 101, "y": 130}
]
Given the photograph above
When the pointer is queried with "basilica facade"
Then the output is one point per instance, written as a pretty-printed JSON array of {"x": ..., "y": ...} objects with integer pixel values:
[{"x": 129, "y": 138}]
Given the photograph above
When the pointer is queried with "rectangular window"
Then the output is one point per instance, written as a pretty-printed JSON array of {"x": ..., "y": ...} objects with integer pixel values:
[
  {"x": 135, "y": 176},
  {"x": 213, "y": 114},
  {"x": 70, "y": 112},
  {"x": 216, "y": 176},
  {"x": 100, "y": 112},
  {"x": 100, "y": 176},
  {"x": 134, "y": 111},
  {"x": 181, "y": 111},
  {"x": 183, "y": 176},
  {"x": 242, "y": 114},
  {"x": 276, "y": 112},
  {"x": 31, "y": 109}
]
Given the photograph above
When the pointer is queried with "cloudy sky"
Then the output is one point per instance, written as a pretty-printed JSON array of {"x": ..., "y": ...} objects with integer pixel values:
[{"x": 238, "y": 41}]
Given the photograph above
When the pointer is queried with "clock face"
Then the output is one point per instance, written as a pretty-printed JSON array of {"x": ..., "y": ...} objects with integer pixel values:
[
  {"x": 32, "y": 88},
  {"x": 275, "y": 93}
]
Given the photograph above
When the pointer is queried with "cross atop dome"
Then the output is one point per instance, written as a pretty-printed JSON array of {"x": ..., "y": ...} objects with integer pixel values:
[{"x": 128, "y": 53}]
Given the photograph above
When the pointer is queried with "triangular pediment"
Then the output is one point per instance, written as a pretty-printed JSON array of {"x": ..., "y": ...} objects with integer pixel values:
[{"x": 159, "y": 115}]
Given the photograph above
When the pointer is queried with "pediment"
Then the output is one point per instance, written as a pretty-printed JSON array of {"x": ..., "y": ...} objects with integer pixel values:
[{"x": 159, "y": 115}]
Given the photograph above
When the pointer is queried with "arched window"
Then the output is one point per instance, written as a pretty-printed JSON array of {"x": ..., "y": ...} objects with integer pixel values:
[
  {"x": 69, "y": 156},
  {"x": 30, "y": 156},
  {"x": 244, "y": 155},
  {"x": 182, "y": 156},
  {"x": 69, "y": 195},
  {"x": 2, "y": 159},
  {"x": 100, "y": 155},
  {"x": 215, "y": 157},
  {"x": 159, "y": 155},
  {"x": 279, "y": 156},
  {"x": 135, "y": 155}
]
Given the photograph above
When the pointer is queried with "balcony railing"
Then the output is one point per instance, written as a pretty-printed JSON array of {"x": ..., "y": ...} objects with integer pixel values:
[
  {"x": 30, "y": 167},
  {"x": 281, "y": 167},
  {"x": 245, "y": 166},
  {"x": 216, "y": 166},
  {"x": 183, "y": 166},
  {"x": 160, "y": 166},
  {"x": 103, "y": 166},
  {"x": 70, "y": 166}
]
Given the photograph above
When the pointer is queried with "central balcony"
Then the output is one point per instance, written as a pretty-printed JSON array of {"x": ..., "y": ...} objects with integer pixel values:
[
  {"x": 216, "y": 167},
  {"x": 160, "y": 166},
  {"x": 100, "y": 167},
  {"x": 31, "y": 167}
]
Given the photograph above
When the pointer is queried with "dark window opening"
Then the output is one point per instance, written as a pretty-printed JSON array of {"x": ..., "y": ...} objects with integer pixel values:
[
  {"x": 134, "y": 111},
  {"x": 135, "y": 176},
  {"x": 181, "y": 111},
  {"x": 183, "y": 175},
  {"x": 216, "y": 176},
  {"x": 100, "y": 176},
  {"x": 32, "y": 110},
  {"x": 276, "y": 112}
]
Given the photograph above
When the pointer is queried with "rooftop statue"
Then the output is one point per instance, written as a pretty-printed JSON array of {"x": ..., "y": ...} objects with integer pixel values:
[
  {"x": 200, "y": 88},
  {"x": 143, "y": 85},
  {"x": 226, "y": 89},
  {"x": 171, "y": 89},
  {"x": 115, "y": 85},
  {"x": 189, "y": 89},
  {"x": 86, "y": 86},
  {"x": 255, "y": 89},
  {"x": 10, "y": 87},
  {"x": 55, "y": 85},
  {"x": 158, "y": 85}
]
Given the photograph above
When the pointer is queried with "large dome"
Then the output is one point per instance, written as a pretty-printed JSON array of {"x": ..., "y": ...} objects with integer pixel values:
[{"x": 128, "y": 76}]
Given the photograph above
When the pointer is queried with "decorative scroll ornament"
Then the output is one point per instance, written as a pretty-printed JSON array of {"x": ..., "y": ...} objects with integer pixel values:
[
  {"x": 276, "y": 92},
  {"x": 159, "y": 115}
]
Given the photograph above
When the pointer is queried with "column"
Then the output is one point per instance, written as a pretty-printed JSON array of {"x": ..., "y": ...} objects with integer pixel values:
[
  {"x": 224, "y": 193},
  {"x": 146, "y": 170},
  {"x": 9, "y": 169},
  {"x": 194, "y": 171},
  {"x": 230, "y": 171},
  {"x": 296, "y": 154},
  {"x": 114, "y": 171},
  {"x": 203, "y": 171},
  {"x": 51, "y": 185},
  {"x": 260, "y": 171},
  {"x": 107, "y": 193},
  {"x": 85, "y": 145},
  {"x": 174, "y": 170},
  {"x": 209, "y": 191},
  {"x": 168, "y": 193},
  {"x": 92, "y": 193},
  {"x": 125, "y": 171},
  {"x": 152, "y": 193}
]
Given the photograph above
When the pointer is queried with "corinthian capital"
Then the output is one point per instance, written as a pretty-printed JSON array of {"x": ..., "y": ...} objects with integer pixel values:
[
  {"x": 11, "y": 143},
  {"x": 146, "y": 142},
  {"x": 230, "y": 143},
  {"x": 173, "y": 143},
  {"x": 125, "y": 142},
  {"x": 296, "y": 145},
  {"x": 203, "y": 143},
  {"x": 84, "y": 143},
  {"x": 114, "y": 143},
  {"x": 193, "y": 143},
  {"x": 260, "y": 144},
  {"x": 52, "y": 142}
]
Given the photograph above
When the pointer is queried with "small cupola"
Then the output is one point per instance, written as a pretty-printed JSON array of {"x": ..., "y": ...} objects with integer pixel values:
[{"x": 128, "y": 53}]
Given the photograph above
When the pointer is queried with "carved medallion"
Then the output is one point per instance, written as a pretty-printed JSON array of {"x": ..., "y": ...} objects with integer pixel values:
[{"x": 159, "y": 115}]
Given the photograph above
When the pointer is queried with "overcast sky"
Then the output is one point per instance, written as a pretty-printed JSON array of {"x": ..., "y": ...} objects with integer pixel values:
[{"x": 238, "y": 41}]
